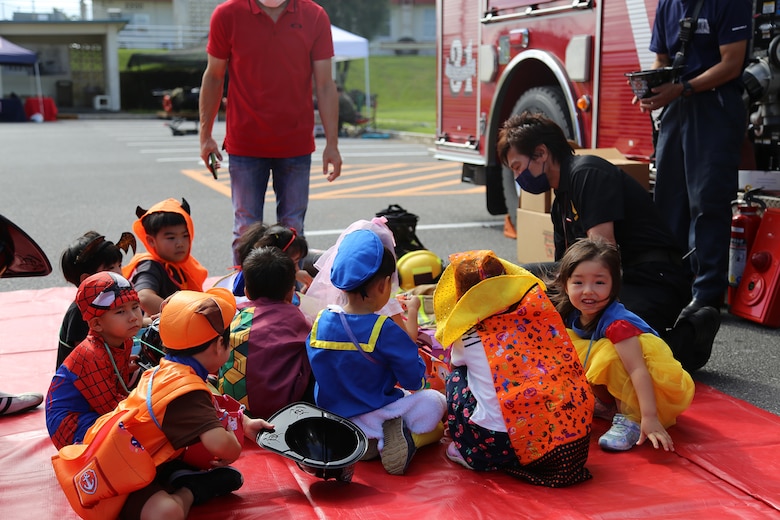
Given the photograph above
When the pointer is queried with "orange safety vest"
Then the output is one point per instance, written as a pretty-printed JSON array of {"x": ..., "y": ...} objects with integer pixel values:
[
  {"x": 169, "y": 381},
  {"x": 123, "y": 448}
]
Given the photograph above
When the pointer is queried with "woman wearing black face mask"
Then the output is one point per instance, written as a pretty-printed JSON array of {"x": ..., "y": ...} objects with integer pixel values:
[{"x": 596, "y": 199}]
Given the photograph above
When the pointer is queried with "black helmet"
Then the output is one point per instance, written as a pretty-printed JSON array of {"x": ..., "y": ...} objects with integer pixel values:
[{"x": 321, "y": 443}]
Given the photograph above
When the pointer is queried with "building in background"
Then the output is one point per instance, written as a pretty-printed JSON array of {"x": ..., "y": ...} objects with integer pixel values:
[
  {"x": 411, "y": 29},
  {"x": 78, "y": 54}
]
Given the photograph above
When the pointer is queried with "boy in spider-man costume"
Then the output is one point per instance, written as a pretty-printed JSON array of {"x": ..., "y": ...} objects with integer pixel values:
[
  {"x": 85, "y": 256},
  {"x": 166, "y": 231},
  {"x": 99, "y": 372}
]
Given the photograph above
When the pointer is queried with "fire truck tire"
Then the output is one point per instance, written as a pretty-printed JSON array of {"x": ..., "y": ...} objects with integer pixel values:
[{"x": 550, "y": 102}]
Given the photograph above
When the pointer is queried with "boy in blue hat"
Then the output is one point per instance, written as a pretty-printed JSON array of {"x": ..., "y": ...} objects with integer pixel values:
[{"x": 359, "y": 358}]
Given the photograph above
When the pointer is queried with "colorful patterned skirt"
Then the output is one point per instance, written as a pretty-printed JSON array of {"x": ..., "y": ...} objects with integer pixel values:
[{"x": 489, "y": 450}]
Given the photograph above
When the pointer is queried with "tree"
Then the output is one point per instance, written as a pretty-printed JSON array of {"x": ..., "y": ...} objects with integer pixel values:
[{"x": 364, "y": 17}]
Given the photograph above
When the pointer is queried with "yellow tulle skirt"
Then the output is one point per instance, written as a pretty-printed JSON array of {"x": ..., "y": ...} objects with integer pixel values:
[{"x": 674, "y": 387}]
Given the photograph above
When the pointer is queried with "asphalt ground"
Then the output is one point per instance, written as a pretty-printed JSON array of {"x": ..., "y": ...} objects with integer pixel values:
[{"x": 63, "y": 178}]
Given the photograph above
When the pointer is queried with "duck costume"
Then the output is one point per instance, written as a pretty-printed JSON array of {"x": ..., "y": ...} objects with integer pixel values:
[
  {"x": 517, "y": 399},
  {"x": 186, "y": 275}
]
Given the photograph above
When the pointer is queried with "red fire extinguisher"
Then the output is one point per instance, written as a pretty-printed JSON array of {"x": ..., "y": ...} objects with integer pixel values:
[{"x": 744, "y": 225}]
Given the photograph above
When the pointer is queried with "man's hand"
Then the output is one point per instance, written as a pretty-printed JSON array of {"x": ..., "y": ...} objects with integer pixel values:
[
  {"x": 664, "y": 94},
  {"x": 209, "y": 146},
  {"x": 331, "y": 157}
]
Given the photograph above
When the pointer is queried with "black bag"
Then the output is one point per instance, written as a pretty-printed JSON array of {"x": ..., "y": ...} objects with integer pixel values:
[{"x": 403, "y": 225}]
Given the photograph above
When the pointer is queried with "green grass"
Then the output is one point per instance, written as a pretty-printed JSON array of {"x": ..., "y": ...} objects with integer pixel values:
[
  {"x": 124, "y": 57},
  {"x": 405, "y": 87}
]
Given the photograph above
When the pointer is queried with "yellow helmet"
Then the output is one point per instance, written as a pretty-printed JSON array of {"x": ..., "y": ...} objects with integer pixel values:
[{"x": 418, "y": 268}]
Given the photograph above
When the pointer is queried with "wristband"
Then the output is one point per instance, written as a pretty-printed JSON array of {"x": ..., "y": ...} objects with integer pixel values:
[{"x": 687, "y": 89}]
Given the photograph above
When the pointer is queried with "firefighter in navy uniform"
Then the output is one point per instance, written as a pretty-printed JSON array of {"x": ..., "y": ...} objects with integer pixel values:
[
  {"x": 701, "y": 131},
  {"x": 594, "y": 198}
]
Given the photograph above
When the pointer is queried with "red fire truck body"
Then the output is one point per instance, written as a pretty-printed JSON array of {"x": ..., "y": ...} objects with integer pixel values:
[{"x": 566, "y": 58}]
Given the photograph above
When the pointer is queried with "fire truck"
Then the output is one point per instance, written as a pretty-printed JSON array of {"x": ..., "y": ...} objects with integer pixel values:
[{"x": 568, "y": 60}]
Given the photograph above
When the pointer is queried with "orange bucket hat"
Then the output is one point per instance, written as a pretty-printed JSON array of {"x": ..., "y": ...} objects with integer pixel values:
[{"x": 191, "y": 318}]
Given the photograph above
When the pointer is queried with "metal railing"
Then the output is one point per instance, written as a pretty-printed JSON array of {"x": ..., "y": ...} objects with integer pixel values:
[{"x": 161, "y": 36}]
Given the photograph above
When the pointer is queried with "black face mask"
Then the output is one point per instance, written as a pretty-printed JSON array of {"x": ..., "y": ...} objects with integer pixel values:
[{"x": 531, "y": 184}]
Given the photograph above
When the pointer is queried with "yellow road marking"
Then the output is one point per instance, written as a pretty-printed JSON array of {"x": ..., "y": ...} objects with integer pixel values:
[{"x": 371, "y": 181}]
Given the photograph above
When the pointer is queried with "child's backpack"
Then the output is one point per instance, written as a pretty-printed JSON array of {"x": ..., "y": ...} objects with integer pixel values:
[
  {"x": 403, "y": 225},
  {"x": 96, "y": 477}
]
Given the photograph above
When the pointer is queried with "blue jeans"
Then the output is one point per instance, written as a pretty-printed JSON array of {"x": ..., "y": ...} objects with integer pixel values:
[{"x": 249, "y": 182}]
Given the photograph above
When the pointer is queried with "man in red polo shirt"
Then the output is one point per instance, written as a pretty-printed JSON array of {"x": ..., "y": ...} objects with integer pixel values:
[{"x": 270, "y": 49}]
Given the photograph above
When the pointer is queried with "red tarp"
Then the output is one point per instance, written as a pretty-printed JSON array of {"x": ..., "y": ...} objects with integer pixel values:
[{"x": 726, "y": 464}]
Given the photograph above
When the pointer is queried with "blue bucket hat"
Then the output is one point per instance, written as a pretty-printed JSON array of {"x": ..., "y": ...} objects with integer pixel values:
[{"x": 358, "y": 259}]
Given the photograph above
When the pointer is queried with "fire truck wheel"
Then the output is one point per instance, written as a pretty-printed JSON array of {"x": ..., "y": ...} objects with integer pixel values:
[{"x": 550, "y": 102}]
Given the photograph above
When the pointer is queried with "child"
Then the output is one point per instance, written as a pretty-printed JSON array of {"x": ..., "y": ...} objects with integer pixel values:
[
  {"x": 284, "y": 238},
  {"x": 167, "y": 232},
  {"x": 87, "y": 255},
  {"x": 234, "y": 281},
  {"x": 322, "y": 289},
  {"x": 175, "y": 410},
  {"x": 268, "y": 367},
  {"x": 517, "y": 398},
  {"x": 358, "y": 357},
  {"x": 627, "y": 364},
  {"x": 99, "y": 372}
]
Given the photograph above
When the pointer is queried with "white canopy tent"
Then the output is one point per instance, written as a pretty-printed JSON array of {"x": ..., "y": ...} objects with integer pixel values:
[
  {"x": 346, "y": 46},
  {"x": 349, "y": 46}
]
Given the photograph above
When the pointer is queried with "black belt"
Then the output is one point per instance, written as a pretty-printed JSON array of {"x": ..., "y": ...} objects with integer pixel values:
[{"x": 654, "y": 256}]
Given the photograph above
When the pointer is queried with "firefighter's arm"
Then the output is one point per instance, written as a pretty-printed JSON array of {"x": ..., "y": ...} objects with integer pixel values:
[
  {"x": 662, "y": 60},
  {"x": 732, "y": 57},
  {"x": 210, "y": 98},
  {"x": 730, "y": 67}
]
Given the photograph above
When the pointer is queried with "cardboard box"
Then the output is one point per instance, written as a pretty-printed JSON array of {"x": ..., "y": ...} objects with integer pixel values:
[
  {"x": 535, "y": 241},
  {"x": 636, "y": 169},
  {"x": 768, "y": 181},
  {"x": 540, "y": 203}
]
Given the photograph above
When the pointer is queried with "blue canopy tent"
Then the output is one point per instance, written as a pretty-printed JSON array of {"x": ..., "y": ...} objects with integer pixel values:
[{"x": 12, "y": 54}]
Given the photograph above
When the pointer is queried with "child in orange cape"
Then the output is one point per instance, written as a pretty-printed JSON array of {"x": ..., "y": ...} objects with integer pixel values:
[{"x": 166, "y": 230}]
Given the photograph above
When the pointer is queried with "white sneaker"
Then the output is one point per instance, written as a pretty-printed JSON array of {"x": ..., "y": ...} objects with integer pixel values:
[
  {"x": 623, "y": 435},
  {"x": 10, "y": 403}
]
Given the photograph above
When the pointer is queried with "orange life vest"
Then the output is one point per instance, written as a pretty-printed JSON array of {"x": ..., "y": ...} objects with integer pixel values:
[{"x": 122, "y": 449}]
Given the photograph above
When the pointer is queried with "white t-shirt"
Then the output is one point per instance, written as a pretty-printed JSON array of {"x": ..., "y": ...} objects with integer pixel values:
[{"x": 468, "y": 351}]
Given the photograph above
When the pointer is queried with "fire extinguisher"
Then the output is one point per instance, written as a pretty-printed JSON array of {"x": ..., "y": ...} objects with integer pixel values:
[{"x": 744, "y": 226}]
